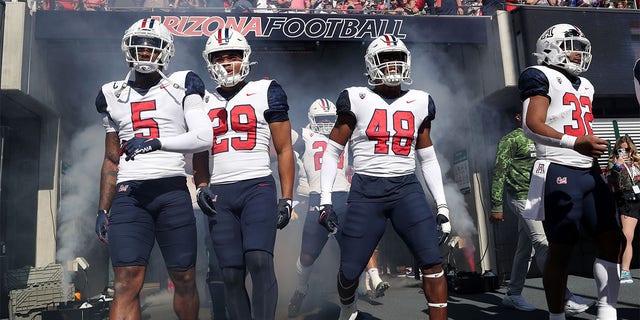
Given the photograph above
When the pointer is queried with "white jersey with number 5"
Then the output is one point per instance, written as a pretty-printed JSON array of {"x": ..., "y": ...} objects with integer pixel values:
[
  {"x": 152, "y": 113},
  {"x": 314, "y": 146},
  {"x": 570, "y": 111},
  {"x": 383, "y": 141},
  {"x": 241, "y": 130}
]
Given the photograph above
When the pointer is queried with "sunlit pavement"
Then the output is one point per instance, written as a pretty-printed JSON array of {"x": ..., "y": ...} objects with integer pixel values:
[{"x": 404, "y": 301}]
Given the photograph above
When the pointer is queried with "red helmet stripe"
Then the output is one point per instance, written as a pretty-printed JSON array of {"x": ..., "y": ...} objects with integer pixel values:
[
  {"x": 144, "y": 23},
  {"x": 219, "y": 36}
]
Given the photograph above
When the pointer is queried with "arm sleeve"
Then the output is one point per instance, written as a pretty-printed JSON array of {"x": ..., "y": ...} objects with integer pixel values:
[
  {"x": 200, "y": 134},
  {"x": 329, "y": 170},
  {"x": 503, "y": 159},
  {"x": 101, "y": 107},
  {"x": 533, "y": 82},
  {"x": 194, "y": 84},
  {"x": 432, "y": 112},
  {"x": 278, "y": 106},
  {"x": 343, "y": 104},
  {"x": 432, "y": 174}
]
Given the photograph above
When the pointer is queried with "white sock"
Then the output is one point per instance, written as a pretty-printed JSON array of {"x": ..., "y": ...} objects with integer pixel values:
[
  {"x": 607, "y": 276},
  {"x": 304, "y": 273},
  {"x": 556, "y": 316},
  {"x": 367, "y": 280},
  {"x": 375, "y": 277}
]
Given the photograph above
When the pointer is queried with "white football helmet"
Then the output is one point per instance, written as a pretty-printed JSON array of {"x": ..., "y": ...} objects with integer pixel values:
[
  {"x": 556, "y": 44},
  {"x": 322, "y": 116},
  {"x": 388, "y": 61},
  {"x": 148, "y": 34},
  {"x": 226, "y": 39}
]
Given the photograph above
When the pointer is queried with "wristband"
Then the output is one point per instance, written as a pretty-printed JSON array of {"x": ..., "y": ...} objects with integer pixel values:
[{"x": 568, "y": 141}]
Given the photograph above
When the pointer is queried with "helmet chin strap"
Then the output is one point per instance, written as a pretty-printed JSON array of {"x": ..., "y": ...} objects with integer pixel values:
[{"x": 126, "y": 80}]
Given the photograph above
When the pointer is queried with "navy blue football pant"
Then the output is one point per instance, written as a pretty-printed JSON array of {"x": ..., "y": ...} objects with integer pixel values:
[
  {"x": 145, "y": 211},
  {"x": 314, "y": 235},
  {"x": 365, "y": 223}
]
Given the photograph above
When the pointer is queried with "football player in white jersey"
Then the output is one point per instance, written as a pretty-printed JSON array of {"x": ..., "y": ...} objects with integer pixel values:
[
  {"x": 143, "y": 194},
  {"x": 314, "y": 138},
  {"x": 246, "y": 115},
  {"x": 387, "y": 127},
  {"x": 567, "y": 186}
]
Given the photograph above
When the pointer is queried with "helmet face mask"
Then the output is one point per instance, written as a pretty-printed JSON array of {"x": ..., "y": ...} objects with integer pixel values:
[
  {"x": 148, "y": 46},
  {"x": 388, "y": 62},
  {"x": 322, "y": 116},
  {"x": 222, "y": 50},
  {"x": 566, "y": 47}
]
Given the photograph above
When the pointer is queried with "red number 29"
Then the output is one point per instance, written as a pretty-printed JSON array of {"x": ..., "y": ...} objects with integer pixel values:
[{"x": 243, "y": 119}]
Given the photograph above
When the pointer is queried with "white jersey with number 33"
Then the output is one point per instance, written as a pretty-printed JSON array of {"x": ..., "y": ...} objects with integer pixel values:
[{"x": 383, "y": 141}]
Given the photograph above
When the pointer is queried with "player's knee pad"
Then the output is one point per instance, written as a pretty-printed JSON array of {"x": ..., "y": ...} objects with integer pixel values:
[
  {"x": 432, "y": 275},
  {"x": 429, "y": 274},
  {"x": 437, "y": 305},
  {"x": 258, "y": 260},
  {"x": 347, "y": 289},
  {"x": 233, "y": 277}
]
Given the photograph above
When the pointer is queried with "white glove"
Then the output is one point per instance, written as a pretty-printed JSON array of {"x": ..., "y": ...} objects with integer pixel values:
[{"x": 442, "y": 218}]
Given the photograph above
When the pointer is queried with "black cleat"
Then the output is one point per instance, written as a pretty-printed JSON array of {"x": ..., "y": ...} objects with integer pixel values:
[
  {"x": 381, "y": 288},
  {"x": 295, "y": 303}
]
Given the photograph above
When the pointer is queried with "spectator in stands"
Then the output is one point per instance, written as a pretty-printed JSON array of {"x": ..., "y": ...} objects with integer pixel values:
[
  {"x": 489, "y": 7},
  {"x": 185, "y": 4},
  {"x": 450, "y": 7},
  {"x": 542, "y": 2},
  {"x": 410, "y": 8},
  {"x": 283, "y": 4},
  {"x": 94, "y": 5},
  {"x": 624, "y": 179}
]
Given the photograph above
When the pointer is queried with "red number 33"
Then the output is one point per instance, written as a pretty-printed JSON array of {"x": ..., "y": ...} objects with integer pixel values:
[{"x": 581, "y": 115}]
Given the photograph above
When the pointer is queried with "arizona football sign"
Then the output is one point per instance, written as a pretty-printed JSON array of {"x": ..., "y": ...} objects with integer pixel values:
[{"x": 284, "y": 27}]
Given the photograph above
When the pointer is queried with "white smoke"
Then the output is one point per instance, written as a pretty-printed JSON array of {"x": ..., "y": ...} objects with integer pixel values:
[{"x": 80, "y": 188}]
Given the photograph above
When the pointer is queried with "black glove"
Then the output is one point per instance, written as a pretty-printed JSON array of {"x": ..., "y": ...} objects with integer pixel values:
[
  {"x": 284, "y": 212},
  {"x": 205, "y": 201},
  {"x": 136, "y": 146},
  {"x": 328, "y": 218},
  {"x": 102, "y": 226}
]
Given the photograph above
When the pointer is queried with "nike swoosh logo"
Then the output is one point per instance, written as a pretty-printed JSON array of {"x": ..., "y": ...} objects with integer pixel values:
[
  {"x": 409, "y": 101},
  {"x": 250, "y": 94}
]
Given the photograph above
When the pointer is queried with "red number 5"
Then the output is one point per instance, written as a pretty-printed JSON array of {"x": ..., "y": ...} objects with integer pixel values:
[{"x": 139, "y": 123}]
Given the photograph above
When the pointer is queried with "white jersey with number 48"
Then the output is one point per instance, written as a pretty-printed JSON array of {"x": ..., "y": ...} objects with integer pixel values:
[{"x": 383, "y": 141}]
